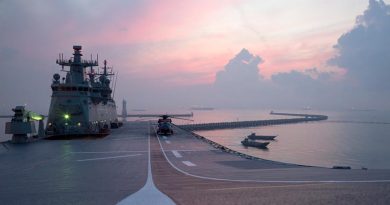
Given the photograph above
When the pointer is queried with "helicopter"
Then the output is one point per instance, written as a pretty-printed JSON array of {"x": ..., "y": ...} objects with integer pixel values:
[{"x": 165, "y": 124}]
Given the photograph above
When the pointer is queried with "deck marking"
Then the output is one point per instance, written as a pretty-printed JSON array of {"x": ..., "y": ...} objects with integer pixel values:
[
  {"x": 186, "y": 150},
  {"x": 5, "y": 146},
  {"x": 126, "y": 138},
  {"x": 105, "y": 152},
  {"x": 267, "y": 181},
  {"x": 177, "y": 154},
  {"x": 102, "y": 158},
  {"x": 188, "y": 163},
  {"x": 149, "y": 194},
  {"x": 168, "y": 142},
  {"x": 265, "y": 187},
  {"x": 164, "y": 137}
]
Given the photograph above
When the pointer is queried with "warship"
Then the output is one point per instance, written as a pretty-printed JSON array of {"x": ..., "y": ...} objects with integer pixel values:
[{"x": 81, "y": 102}]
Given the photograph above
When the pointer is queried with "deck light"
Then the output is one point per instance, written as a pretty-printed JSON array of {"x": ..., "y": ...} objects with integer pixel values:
[{"x": 37, "y": 117}]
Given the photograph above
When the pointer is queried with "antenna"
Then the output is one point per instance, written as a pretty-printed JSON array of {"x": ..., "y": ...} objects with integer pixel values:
[
  {"x": 116, "y": 79},
  {"x": 105, "y": 67},
  {"x": 62, "y": 59},
  {"x": 112, "y": 78}
]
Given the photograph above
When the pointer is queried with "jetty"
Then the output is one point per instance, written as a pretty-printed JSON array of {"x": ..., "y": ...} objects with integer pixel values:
[{"x": 254, "y": 123}]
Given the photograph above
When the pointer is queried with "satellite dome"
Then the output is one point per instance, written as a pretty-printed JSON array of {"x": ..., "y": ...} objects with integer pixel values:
[
  {"x": 102, "y": 78},
  {"x": 56, "y": 76}
]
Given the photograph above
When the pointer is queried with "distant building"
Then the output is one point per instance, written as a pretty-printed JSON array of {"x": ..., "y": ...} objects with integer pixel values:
[{"x": 124, "y": 109}]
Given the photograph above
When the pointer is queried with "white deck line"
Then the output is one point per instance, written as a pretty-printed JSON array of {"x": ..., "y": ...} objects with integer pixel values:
[
  {"x": 103, "y": 158},
  {"x": 177, "y": 154},
  {"x": 167, "y": 141},
  {"x": 187, "y": 150},
  {"x": 107, "y": 152},
  {"x": 188, "y": 163},
  {"x": 267, "y": 181},
  {"x": 149, "y": 194},
  {"x": 123, "y": 138}
]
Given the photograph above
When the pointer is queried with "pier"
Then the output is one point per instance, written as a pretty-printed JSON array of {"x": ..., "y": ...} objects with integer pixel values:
[{"x": 254, "y": 123}]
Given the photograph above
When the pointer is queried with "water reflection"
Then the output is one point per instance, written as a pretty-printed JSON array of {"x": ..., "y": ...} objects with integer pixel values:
[{"x": 67, "y": 167}]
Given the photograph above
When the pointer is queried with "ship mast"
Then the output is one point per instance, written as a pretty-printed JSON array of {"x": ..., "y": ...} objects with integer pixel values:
[{"x": 77, "y": 66}]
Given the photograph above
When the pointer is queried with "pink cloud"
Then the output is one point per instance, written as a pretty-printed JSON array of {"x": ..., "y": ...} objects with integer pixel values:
[
  {"x": 163, "y": 38},
  {"x": 187, "y": 71},
  {"x": 163, "y": 21},
  {"x": 299, "y": 54}
]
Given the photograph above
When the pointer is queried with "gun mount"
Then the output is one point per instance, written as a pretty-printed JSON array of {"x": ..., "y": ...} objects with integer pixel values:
[{"x": 22, "y": 126}]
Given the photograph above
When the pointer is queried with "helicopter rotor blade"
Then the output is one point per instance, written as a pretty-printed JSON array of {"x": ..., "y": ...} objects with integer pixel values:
[
  {"x": 144, "y": 119},
  {"x": 182, "y": 118}
]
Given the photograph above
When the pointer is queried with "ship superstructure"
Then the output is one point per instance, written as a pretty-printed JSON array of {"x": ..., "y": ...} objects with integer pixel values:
[{"x": 81, "y": 103}]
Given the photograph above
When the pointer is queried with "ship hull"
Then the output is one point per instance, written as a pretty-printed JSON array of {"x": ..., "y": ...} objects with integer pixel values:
[{"x": 69, "y": 117}]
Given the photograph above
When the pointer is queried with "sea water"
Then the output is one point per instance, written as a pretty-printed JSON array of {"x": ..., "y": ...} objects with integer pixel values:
[{"x": 348, "y": 138}]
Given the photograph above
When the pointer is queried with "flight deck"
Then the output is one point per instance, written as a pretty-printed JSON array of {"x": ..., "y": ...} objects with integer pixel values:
[{"x": 135, "y": 166}]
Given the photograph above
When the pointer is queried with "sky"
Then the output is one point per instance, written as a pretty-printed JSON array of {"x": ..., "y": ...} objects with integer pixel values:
[{"x": 227, "y": 53}]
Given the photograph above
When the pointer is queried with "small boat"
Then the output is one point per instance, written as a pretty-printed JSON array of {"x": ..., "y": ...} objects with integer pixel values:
[
  {"x": 252, "y": 143},
  {"x": 341, "y": 167},
  {"x": 253, "y": 136}
]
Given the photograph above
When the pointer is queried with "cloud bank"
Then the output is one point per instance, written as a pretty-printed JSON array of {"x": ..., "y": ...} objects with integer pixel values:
[
  {"x": 240, "y": 84},
  {"x": 364, "y": 51}
]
